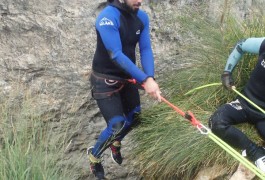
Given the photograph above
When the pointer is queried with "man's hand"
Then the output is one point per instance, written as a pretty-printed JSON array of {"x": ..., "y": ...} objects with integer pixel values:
[
  {"x": 227, "y": 80},
  {"x": 152, "y": 88}
]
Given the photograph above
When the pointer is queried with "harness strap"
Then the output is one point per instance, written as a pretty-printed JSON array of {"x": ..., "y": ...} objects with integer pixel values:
[{"x": 109, "y": 77}]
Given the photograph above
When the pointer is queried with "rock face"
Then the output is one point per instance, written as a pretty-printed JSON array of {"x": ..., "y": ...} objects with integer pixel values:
[{"x": 46, "y": 48}]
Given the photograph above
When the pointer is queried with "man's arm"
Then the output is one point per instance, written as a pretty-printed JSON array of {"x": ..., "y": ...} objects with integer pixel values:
[
  {"x": 250, "y": 45},
  {"x": 146, "y": 53},
  {"x": 107, "y": 25}
]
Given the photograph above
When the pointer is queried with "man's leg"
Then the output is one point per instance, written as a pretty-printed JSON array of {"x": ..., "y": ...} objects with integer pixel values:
[
  {"x": 111, "y": 109},
  {"x": 221, "y": 124},
  {"x": 259, "y": 120},
  {"x": 131, "y": 108},
  {"x": 222, "y": 121},
  {"x": 260, "y": 126}
]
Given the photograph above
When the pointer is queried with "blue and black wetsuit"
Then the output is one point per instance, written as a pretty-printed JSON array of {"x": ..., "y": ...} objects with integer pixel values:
[
  {"x": 240, "y": 111},
  {"x": 118, "y": 33}
]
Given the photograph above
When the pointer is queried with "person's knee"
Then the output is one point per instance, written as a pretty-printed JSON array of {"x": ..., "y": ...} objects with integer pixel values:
[
  {"x": 218, "y": 124},
  {"x": 116, "y": 125}
]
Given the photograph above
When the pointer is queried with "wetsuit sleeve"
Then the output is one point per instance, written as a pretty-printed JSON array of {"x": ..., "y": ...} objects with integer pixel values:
[
  {"x": 107, "y": 24},
  {"x": 146, "y": 53},
  {"x": 250, "y": 45},
  {"x": 262, "y": 47}
]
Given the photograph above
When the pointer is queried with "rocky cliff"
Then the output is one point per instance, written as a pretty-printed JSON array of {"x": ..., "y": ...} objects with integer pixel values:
[{"x": 46, "y": 48}]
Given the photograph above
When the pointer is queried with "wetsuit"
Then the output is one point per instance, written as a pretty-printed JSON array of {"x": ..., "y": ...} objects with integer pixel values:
[
  {"x": 118, "y": 32},
  {"x": 240, "y": 111}
]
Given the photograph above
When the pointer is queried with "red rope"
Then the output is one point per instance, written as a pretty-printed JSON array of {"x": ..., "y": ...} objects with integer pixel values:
[
  {"x": 189, "y": 115},
  {"x": 173, "y": 107}
]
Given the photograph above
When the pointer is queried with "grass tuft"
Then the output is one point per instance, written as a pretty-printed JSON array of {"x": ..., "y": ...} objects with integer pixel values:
[
  {"x": 24, "y": 142},
  {"x": 166, "y": 145}
]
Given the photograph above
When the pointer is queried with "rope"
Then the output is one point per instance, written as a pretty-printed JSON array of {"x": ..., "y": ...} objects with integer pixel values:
[
  {"x": 201, "y": 87},
  {"x": 233, "y": 88},
  {"x": 204, "y": 130},
  {"x": 217, "y": 140},
  {"x": 237, "y": 155},
  {"x": 248, "y": 100}
]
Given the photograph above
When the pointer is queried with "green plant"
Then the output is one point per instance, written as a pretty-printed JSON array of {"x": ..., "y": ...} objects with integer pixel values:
[
  {"x": 24, "y": 147},
  {"x": 166, "y": 145}
]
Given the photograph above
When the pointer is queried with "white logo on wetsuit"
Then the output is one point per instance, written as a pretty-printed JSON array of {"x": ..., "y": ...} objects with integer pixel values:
[
  {"x": 138, "y": 32},
  {"x": 236, "y": 104},
  {"x": 110, "y": 82},
  {"x": 263, "y": 63},
  {"x": 105, "y": 22}
]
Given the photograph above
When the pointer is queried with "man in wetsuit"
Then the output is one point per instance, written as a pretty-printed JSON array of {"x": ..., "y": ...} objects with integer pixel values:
[
  {"x": 120, "y": 27},
  {"x": 240, "y": 111}
]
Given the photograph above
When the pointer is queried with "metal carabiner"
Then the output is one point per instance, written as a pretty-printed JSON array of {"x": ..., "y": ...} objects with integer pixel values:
[{"x": 203, "y": 129}]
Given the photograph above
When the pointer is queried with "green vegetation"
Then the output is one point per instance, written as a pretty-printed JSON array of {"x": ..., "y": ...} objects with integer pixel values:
[
  {"x": 166, "y": 145},
  {"x": 25, "y": 153}
]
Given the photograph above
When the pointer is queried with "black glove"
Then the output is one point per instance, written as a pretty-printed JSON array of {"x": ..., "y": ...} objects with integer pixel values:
[{"x": 227, "y": 80}]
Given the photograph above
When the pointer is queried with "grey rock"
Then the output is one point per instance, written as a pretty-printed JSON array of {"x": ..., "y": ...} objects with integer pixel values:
[{"x": 46, "y": 49}]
